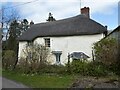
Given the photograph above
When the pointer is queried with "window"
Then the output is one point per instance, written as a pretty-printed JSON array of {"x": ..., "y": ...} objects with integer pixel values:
[
  {"x": 57, "y": 55},
  {"x": 29, "y": 43},
  {"x": 79, "y": 55},
  {"x": 47, "y": 42}
]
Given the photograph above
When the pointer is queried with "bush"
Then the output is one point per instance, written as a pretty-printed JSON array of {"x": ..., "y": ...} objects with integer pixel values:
[
  {"x": 97, "y": 69},
  {"x": 53, "y": 69},
  {"x": 35, "y": 58},
  {"x": 8, "y": 59},
  {"x": 88, "y": 68},
  {"x": 23, "y": 66},
  {"x": 115, "y": 68},
  {"x": 78, "y": 66},
  {"x": 106, "y": 51}
]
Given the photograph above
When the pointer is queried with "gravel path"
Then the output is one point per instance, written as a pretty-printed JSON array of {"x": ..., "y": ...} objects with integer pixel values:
[{"x": 93, "y": 82}]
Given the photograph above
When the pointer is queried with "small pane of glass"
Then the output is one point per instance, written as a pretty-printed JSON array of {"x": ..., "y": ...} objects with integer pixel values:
[{"x": 47, "y": 42}]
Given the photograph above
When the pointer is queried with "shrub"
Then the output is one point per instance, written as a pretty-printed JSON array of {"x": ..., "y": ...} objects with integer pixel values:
[
  {"x": 115, "y": 68},
  {"x": 106, "y": 51},
  {"x": 78, "y": 66},
  {"x": 97, "y": 69},
  {"x": 24, "y": 66},
  {"x": 56, "y": 69},
  {"x": 36, "y": 61},
  {"x": 88, "y": 68},
  {"x": 8, "y": 59},
  {"x": 36, "y": 58}
]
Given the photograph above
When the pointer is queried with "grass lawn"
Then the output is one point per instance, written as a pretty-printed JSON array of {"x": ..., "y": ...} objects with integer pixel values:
[{"x": 41, "y": 81}]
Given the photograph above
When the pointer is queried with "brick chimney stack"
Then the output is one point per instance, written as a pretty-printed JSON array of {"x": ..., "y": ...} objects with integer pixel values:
[{"x": 85, "y": 11}]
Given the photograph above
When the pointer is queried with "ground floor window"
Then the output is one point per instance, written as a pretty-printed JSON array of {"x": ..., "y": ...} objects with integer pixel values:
[
  {"x": 57, "y": 55},
  {"x": 79, "y": 56}
]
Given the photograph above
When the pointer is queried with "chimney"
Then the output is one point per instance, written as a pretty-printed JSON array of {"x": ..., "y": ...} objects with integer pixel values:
[
  {"x": 85, "y": 11},
  {"x": 31, "y": 23},
  {"x": 106, "y": 27},
  {"x": 106, "y": 32}
]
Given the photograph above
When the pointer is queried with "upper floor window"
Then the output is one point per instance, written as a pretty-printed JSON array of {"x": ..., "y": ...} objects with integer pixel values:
[
  {"x": 29, "y": 43},
  {"x": 47, "y": 42}
]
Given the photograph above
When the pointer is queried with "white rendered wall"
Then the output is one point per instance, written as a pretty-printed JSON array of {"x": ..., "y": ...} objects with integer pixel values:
[
  {"x": 71, "y": 44},
  {"x": 67, "y": 45},
  {"x": 22, "y": 46}
]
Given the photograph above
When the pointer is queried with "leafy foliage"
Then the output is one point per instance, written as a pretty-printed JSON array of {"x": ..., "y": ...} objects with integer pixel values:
[
  {"x": 55, "y": 69},
  {"x": 8, "y": 59},
  {"x": 15, "y": 30},
  {"x": 106, "y": 51},
  {"x": 35, "y": 58},
  {"x": 12, "y": 40},
  {"x": 23, "y": 26},
  {"x": 88, "y": 68}
]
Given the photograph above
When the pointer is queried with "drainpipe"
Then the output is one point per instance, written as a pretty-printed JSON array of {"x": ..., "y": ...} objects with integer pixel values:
[{"x": 93, "y": 55}]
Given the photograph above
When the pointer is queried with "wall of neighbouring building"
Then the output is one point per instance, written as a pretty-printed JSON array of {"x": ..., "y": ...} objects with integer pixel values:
[{"x": 116, "y": 34}]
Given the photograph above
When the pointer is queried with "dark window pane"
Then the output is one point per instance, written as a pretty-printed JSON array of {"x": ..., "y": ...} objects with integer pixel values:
[{"x": 47, "y": 42}]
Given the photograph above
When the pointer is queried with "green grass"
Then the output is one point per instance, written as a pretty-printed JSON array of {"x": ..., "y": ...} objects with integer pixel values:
[{"x": 42, "y": 81}]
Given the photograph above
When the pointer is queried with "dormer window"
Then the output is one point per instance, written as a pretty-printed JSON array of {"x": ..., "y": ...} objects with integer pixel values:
[{"x": 47, "y": 42}]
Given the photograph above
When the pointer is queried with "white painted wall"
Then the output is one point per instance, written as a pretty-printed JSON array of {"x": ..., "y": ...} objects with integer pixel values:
[
  {"x": 22, "y": 46},
  {"x": 67, "y": 45}
]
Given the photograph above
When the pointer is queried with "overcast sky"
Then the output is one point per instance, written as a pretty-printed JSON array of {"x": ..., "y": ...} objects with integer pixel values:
[{"x": 102, "y": 11}]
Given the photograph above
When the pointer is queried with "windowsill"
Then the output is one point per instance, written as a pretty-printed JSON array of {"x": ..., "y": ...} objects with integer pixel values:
[{"x": 57, "y": 63}]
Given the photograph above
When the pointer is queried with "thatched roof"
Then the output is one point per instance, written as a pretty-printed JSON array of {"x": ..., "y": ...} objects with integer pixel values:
[{"x": 78, "y": 25}]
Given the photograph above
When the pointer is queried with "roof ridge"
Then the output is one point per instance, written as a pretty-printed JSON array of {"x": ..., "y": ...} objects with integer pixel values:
[
  {"x": 77, "y": 25},
  {"x": 62, "y": 19}
]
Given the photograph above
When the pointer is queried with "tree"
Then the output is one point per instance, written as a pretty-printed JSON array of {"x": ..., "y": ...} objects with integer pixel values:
[
  {"x": 106, "y": 51},
  {"x": 12, "y": 40},
  {"x": 23, "y": 26},
  {"x": 15, "y": 30},
  {"x": 8, "y": 16},
  {"x": 50, "y": 18},
  {"x": 35, "y": 58}
]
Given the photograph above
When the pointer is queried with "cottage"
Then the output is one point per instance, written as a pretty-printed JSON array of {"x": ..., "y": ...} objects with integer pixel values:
[{"x": 74, "y": 35}]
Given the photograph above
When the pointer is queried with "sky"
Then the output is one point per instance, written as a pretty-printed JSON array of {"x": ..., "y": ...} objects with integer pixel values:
[
  {"x": 119, "y": 13},
  {"x": 103, "y": 11}
]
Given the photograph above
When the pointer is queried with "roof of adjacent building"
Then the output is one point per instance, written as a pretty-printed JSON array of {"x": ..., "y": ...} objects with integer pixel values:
[
  {"x": 78, "y": 25},
  {"x": 115, "y": 30}
]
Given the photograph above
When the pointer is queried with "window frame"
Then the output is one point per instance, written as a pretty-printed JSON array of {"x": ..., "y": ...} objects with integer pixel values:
[
  {"x": 58, "y": 56},
  {"x": 29, "y": 43},
  {"x": 47, "y": 42}
]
